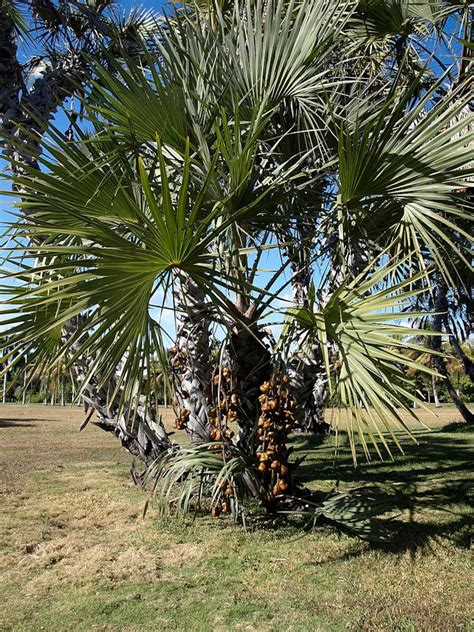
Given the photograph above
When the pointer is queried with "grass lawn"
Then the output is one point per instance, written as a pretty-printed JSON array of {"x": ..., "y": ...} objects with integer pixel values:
[{"x": 76, "y": 553}]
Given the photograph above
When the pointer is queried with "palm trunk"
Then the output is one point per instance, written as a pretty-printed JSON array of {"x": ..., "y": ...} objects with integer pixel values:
[
  {"x": 146, "y": 438},
  {"x": 441, "y": 308},
  {"x": 10, "y": 71},
  {"x": 437, "y": 403},
  {"x": 190, "y": 364},
  {"x": 307, "y": 374},
  {"x": 23, "y": 395},
  {"x": 251, "y": 366}
]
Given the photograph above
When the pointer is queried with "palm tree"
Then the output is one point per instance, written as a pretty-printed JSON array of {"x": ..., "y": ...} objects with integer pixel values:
[
  {"x": 64, "y": 36},
  {"x": 203, "y": 170}
]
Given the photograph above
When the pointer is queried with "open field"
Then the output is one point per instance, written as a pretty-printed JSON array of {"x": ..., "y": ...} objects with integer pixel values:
[{"x": 76, "y": 553}]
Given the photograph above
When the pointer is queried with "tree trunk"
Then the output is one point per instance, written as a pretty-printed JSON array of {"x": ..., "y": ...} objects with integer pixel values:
[
  {"x": 10, "y": 71},
  {"x": 190, "y": 363},
  {"x": 435, "y": 392},
  {"x": 251, "y": 366},
  {"x": 308, "y": 379},
  {"x": 147, "y": 438},
  {"x": 441, "y": 308},
  {"x": 23, "y": 395}
]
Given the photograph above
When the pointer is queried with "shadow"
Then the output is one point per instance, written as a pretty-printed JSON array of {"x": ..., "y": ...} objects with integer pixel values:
[
  {"x": 429, "y": 485},
  {"x": 17, "y": 423},
  {"x": 458, "y": 426}
]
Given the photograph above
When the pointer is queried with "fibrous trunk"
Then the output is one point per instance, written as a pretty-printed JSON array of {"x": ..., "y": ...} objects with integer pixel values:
[
  {"x": 190, "y": 361},
  {"x": 136, "y": 424},
  {"x": 251, "y": 366},
  {"x": 441, "y": 308},
  {"x": 308, "y": 380}
]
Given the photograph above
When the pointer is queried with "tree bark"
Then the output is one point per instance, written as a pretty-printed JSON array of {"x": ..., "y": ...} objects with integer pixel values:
[
  {"x": 190, "y": 365},
  {"x": 441, "y": 308},
  {"x": 251, "y": 366},
  {"x": 308, "y": 380},
  {"x": 437, "y": 403}
]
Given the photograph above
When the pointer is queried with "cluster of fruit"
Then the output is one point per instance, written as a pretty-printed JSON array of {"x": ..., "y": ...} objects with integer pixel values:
[
  {"x": 224, "y": 405},
  {"x": 275, "y": 423},
  {"x": 181, "y": 419},
  {"x": 222, "y": 505}
]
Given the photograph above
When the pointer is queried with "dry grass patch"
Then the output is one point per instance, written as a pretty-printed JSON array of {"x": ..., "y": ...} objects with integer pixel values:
[{"x": 76, "y": 552}]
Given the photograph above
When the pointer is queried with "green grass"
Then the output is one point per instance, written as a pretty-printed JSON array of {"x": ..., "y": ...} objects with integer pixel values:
[{"x": 76, "y": 553}]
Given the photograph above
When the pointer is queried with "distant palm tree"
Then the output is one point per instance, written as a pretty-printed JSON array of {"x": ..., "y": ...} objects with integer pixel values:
[{"x": 63, "y": 37}]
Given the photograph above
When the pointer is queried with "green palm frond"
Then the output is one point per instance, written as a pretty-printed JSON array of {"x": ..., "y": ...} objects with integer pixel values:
[
  {"x": 377, "y": 20},
  {"x": 361, "y": 336},
  {"x": 213, "y": 474},
  {"x": 400, "y": 174},
  {"x": 106, "y": 245}
]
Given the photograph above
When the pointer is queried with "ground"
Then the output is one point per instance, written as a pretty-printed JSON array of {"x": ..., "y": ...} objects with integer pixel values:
[{"x": 77, "y": 554}]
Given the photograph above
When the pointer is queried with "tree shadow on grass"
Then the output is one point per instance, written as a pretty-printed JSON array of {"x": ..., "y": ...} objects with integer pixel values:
[
  {"x": 18, "y": 423},
  {"x": 430, "y": 485}
]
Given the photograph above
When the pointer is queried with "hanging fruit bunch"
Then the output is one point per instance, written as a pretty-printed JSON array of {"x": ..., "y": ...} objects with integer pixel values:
[
  {"x": 223, "y": 504},
  {"x": 275, "y": 423},
  {"x": 223, "y": 405}
]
